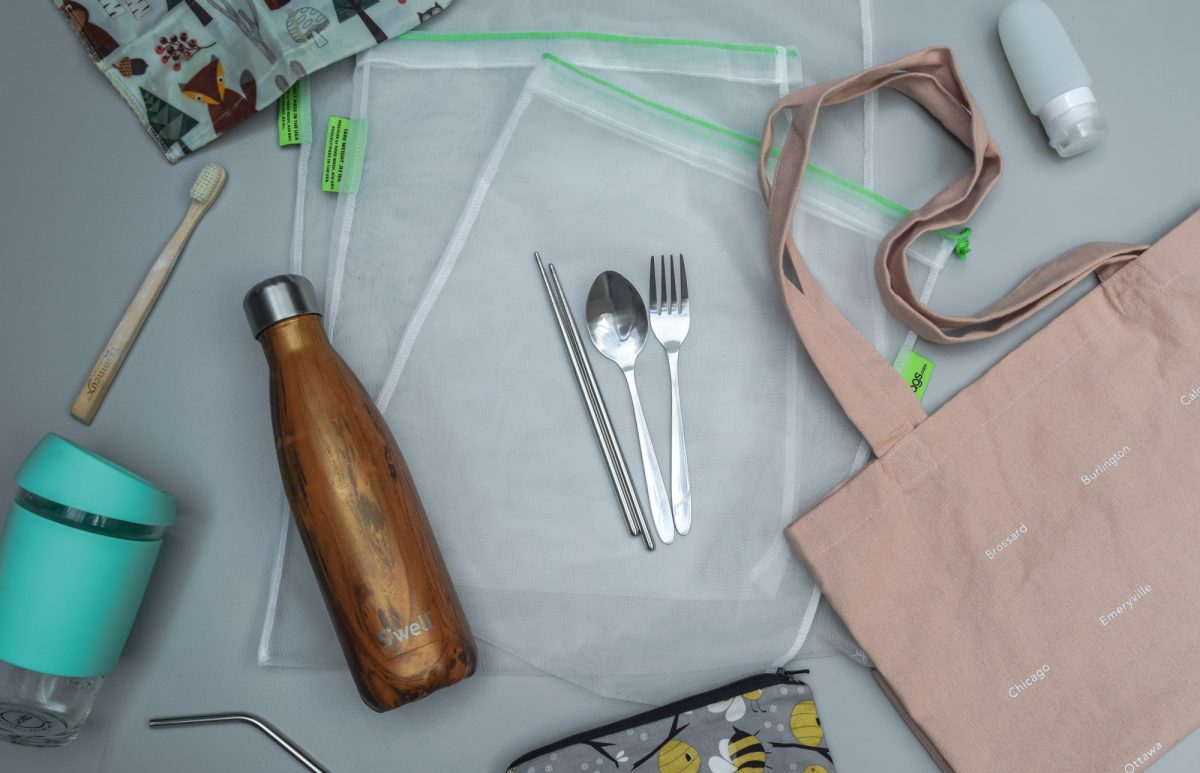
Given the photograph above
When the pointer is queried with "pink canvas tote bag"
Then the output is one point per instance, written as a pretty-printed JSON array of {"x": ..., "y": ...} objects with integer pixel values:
[{"x": 1022, "y": 565}]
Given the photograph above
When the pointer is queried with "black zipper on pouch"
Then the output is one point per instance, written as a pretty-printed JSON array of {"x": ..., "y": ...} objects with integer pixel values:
[{"x": 740, "y": 687}]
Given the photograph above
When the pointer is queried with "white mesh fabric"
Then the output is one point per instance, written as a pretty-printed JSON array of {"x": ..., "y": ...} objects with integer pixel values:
[
  {"x": 545, "y": 546},
  {"x": 538, "y": 514},
  {"x": 312, "y": 227},
  {"x": 422, "y": 179},
  {"x": 418, "y": 182},
  {"x": 833, "y": 39}
]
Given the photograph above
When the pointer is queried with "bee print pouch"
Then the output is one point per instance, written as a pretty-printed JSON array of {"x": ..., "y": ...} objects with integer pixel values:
[
  {"x": 193, "y": 69},
  {"x": 762, "y": 722}
]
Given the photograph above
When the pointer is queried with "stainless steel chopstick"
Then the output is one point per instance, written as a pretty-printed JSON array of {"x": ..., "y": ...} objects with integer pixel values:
[
  {"x": 597, "y": 411},
  {"x": 593, "y": 389},
  {"x": 566, "y": 326}
]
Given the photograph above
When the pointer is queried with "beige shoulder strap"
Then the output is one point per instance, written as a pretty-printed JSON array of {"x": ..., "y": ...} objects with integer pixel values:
[{"x": 869, "y": 390}]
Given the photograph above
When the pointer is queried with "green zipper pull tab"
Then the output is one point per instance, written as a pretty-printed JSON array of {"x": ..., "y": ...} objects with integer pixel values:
[{"x": 962, "y": 245}]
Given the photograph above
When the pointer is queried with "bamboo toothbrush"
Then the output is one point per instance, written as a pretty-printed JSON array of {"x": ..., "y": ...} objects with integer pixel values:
[{"x": 204, "y": 193}]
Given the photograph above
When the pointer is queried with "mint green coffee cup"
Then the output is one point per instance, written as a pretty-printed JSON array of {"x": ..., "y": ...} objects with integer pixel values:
[{"x": 76, "y": 556}]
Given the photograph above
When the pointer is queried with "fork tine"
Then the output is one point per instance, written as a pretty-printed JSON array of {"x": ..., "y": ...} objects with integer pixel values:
[
  {"x": 683, "y": 296},
  {"x": 662, "y": 277},
  {"x": 653, "y": 291},
  {"x": 674, "y": 300}
]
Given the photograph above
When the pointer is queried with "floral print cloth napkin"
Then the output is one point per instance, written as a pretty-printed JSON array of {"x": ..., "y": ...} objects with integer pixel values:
[{"x": 193, "y": 69}]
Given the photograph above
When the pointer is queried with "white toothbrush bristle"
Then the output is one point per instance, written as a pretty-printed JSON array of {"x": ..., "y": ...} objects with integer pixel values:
[{"x": 211, "y": 178}]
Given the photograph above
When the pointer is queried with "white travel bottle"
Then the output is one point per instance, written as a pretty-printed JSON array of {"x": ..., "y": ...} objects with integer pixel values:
[{"x": 1052, "y": 78}]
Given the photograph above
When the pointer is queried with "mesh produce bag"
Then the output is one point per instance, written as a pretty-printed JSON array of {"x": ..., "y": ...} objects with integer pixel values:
[
  {"x": 596, "y": 177},
  {"x": 330, "y": 94},
  {"x": 424, "y": 151},
  {"x": 832, "y": 38},
  {"x": 419, "y": 181}
]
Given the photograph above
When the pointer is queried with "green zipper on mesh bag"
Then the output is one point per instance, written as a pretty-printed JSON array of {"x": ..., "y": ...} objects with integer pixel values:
[
  {"x": 961, "y": 240},
  {"x": 604, "y": 37}
]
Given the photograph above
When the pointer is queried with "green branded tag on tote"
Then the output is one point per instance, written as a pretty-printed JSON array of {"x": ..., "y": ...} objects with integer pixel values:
[
  {"x": 345, "y": 143},
  {"x": 295, "y": 115},
  {"x": 916, "y": 373}
]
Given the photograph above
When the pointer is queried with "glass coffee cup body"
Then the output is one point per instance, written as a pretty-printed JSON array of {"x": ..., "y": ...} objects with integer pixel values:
[
  {"x": 39, "y": 709},
  {"x": 76, "y": 555}
]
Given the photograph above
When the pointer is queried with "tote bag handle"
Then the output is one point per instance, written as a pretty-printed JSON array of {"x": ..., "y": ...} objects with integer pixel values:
[{"x": 871, "y": 393}]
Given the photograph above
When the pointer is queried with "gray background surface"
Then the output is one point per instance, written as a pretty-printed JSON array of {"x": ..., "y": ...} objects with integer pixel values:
[{"x": 87, "y": 202}]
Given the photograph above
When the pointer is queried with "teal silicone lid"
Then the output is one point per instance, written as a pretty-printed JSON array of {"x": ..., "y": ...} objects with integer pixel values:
[
  {"x": 69, "y": 592},
  {"x": 58, "y": 470}
]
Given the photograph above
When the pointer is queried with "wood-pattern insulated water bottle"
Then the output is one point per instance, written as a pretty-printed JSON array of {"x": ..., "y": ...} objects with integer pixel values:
[{"x": 385, "y": 585}]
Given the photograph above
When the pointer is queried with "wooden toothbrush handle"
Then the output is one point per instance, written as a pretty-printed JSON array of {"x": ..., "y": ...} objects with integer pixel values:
[{"x": 101, "y": 377}]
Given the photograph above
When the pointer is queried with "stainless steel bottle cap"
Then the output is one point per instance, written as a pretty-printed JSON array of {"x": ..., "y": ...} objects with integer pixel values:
[{"x": 279, "y": 298}]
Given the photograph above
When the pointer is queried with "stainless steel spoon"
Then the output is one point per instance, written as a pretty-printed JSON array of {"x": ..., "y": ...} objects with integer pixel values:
[{"x": 618, "y": 324}]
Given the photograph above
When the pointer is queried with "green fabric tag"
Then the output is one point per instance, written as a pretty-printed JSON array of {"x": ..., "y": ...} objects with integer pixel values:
[
  {"x": 345, "y": 144},
  {"x": 916, "y": 372},
  {"x": 295, "y": 115}
]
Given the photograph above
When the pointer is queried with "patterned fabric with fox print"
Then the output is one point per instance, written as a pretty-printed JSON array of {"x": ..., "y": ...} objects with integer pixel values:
[{"x": 193, "y": 69}]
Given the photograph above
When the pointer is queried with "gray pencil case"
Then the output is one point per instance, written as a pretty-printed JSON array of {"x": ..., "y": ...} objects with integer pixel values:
[{"x": 766, "y": 721}]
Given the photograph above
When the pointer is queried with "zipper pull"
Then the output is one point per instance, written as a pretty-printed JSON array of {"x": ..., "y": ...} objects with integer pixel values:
[
  {"x": 962, "y": 245},
  {"x": 783, "y": 673}
]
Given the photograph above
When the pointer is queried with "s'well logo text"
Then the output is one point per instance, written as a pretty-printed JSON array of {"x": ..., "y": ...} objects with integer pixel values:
[{"x": 390, "y": 637}]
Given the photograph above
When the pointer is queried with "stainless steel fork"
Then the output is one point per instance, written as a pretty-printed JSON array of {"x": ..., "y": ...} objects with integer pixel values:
[{"x": 670, "y": 318}]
